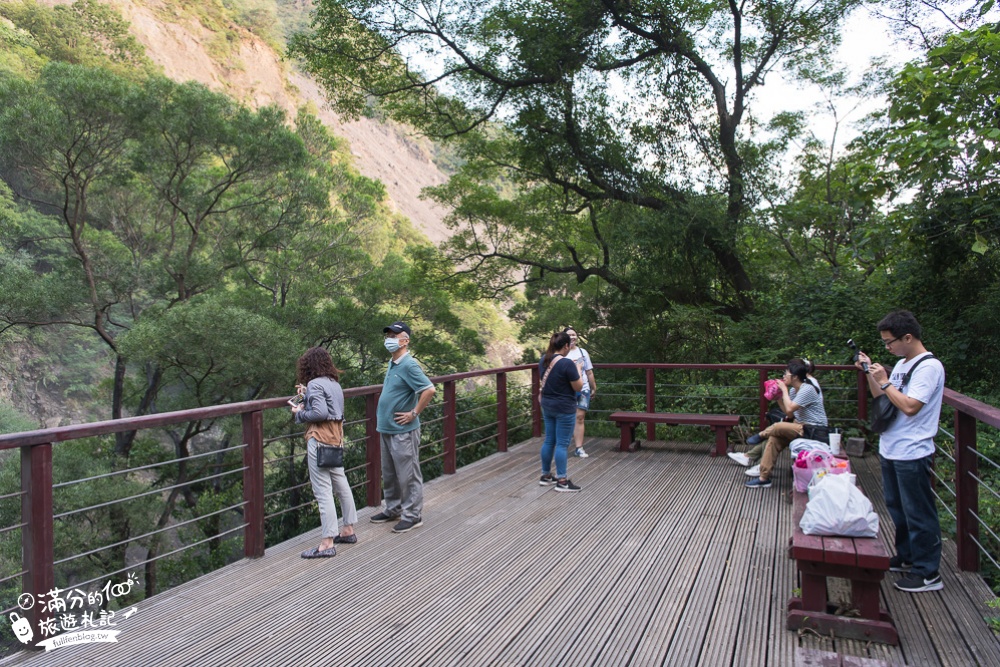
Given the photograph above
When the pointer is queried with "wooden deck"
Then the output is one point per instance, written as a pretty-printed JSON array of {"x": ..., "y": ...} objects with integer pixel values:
[{"x": 663, "y": 559}]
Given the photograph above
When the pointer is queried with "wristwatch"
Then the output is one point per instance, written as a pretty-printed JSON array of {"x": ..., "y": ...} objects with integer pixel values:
[
  {"x": 414, "y": 413},
  {"x": 885, "y": 386}
]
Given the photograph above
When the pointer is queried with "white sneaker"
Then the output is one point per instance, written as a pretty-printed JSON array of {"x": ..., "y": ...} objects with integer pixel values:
[
  {"x": 580, "y": 453},
  {"x": 753, "y": 472},
  {"x": 740, "y": 458}
]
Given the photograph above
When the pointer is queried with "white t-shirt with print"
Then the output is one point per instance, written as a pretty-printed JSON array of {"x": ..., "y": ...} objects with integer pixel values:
[
  {"x": 911, "y": 438},
  {"x": 579, "y": 356}
]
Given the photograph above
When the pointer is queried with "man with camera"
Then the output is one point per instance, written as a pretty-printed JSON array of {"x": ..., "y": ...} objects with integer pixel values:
[{"x": 906, "y": 448}]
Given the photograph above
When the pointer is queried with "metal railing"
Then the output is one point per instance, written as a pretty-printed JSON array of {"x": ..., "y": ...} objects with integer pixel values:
[{"x": 468, "y": 417}]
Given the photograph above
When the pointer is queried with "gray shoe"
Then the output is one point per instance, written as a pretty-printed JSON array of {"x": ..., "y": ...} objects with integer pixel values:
[
  {"x": 897, "y": 564},
  {"x": 384, "y": 517},
  {"x": 406, "y": 525}
]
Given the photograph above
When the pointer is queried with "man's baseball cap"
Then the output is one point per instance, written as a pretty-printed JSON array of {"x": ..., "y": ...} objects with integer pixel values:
[{"x": 398, "y": 327}]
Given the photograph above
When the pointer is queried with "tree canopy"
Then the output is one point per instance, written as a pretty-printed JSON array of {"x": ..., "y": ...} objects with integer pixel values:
[{"x": 611, "y": 109}]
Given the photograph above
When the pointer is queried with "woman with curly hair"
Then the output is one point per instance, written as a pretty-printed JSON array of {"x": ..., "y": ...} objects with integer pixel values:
[{"x": 322, "y": 409}]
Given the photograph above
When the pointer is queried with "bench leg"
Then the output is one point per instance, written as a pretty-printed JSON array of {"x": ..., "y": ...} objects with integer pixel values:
[
  {"x": 628, "y": 437},
  {"x": 813, "y": 592},
  {"x": 721, "y": 440},
  {"x": 865, "y": 596}
]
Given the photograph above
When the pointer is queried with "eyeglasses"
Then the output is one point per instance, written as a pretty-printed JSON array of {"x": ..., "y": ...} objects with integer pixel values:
[{"x": 888, "y": 343}]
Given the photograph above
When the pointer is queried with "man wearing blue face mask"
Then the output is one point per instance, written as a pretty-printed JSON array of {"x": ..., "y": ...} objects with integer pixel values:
[{"x": 406, "y": 391}]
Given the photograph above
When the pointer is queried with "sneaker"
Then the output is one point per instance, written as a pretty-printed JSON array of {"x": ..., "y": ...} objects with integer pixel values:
[
  {"x": 740, "y": 458},
  {"x": 918, "y": 583},
  {"x": 897, "y": 564},
  {"x": 567, "y": 486},
  {"x": 755, "y": 439},
  {"x": 383, "y": 517},
  {"x": 752, "y": 471},
  {"x": 547, "y": 480},
  {"x": 580, "y": 453},
  {"x": 406, "y": 525},
  {"x": 758, "y": 483}
]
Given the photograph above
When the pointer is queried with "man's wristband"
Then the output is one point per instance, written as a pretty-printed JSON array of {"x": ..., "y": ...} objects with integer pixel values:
[{"x": 885, "y": 386}]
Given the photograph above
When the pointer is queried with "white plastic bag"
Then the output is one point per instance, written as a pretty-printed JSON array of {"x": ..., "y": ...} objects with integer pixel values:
[{"x": 837, "y": 507}]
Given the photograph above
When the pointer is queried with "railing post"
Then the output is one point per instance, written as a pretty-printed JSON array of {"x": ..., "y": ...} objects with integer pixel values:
[
  {"x": 761, "y": 401},
  {"x": 36, "y": 534},
  {"x": 862, "y": 397},
  {"x": 650, "y": 402},
  {"x": 536, "y": 406},
  {"x": 253, "y": 483},
  {"x": 450, "y": 423},
  {"x": 966, "y": 492},
  {"x": 501, "y": 412},
  {"x": 373, "y": 453}
]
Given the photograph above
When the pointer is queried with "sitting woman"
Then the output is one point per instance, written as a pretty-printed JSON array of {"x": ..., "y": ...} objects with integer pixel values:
[{"x": 801, "y": 398}]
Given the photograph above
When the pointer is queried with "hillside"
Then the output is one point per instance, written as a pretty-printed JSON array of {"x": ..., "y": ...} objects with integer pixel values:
[{"x": 253, "y": 72}]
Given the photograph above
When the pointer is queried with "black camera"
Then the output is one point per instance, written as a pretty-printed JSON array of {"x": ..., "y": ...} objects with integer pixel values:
[{"x": 854, "y": 348}]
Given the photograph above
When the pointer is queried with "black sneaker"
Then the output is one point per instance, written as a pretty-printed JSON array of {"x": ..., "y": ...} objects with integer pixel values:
[
  {"x": 383, "y": 517},
  {"x": 567, "y": 486},
  {"x": 406, "y": 525},
  {"x": 547, "y": 480},
  {"x": 918, "y": 583},
  {"x": 755, "y": 439},
  {"x": 897, "y": 564},
  {"x": 757, "y": 483}
]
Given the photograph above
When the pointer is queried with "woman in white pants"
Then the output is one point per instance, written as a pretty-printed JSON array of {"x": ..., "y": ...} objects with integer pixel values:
[{"x": 322, "y": 409}]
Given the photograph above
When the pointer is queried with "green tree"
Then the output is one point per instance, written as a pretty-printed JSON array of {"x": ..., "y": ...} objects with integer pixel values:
[
  {"x": 945, "y": 131},
  {"x": 85, "y": 33},
  {"x": 637, "y": 104}
]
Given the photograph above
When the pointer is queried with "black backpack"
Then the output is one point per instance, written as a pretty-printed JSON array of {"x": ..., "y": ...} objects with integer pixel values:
[{"x": 883, "y": 411}]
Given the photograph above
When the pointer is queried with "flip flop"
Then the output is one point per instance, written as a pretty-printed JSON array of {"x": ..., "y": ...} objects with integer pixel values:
[
  {"x": 316, "y": 553},
  {"x": 346, "y": 539}
]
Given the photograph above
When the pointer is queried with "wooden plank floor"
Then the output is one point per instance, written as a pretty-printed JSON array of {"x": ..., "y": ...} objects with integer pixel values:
[{"x": 663, "y": 559}]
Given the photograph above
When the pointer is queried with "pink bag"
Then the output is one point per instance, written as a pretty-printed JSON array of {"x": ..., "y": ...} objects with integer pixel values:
[
  {"x": 771, "y": 389},
  {"x": 808, "y": 462}
]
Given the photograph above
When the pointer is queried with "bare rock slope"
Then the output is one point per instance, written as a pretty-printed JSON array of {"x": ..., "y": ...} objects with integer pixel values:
[{"x": 256, "y": 75}]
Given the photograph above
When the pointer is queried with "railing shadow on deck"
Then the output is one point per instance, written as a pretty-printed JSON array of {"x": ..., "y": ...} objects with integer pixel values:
[{"x": 263, "y": 475}]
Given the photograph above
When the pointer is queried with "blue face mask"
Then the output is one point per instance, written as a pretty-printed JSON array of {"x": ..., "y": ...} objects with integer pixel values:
[{"x": 391, "y": 344}]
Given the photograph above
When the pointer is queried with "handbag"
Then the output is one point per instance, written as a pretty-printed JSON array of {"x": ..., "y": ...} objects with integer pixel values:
[
  {"x": 775, "y": 415},
  {"x": 816, "y": 432},
  {"x": 328, "y": 456},
  {"x": 883, "y": 411}
]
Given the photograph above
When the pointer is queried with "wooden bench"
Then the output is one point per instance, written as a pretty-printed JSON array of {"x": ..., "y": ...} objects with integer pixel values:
[
  {"x": 721, "y": 425},
  {"x": 861, "y": 560}
]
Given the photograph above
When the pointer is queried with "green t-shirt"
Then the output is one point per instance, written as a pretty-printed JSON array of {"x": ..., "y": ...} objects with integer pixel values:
[{"x": 404, "y": 380}]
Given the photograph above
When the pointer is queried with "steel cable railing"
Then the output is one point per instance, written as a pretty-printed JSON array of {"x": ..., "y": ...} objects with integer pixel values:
[{"x": 468, "y": 419}]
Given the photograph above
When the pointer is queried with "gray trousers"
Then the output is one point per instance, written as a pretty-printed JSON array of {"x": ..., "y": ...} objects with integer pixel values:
[
  {"x": 325, "y": 483},
  {"x": 402, "y": 481}
]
